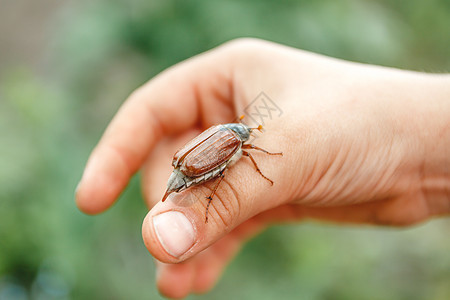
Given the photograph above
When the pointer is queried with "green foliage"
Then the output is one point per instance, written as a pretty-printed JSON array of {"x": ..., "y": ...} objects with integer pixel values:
[{"x": 99, "y": 52}]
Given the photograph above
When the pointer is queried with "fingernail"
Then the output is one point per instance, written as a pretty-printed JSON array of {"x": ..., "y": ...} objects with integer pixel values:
[{"x": 174, "y": 231}]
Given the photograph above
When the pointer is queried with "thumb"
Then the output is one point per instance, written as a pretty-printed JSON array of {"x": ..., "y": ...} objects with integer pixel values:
[{"x": 175, "y": 230}]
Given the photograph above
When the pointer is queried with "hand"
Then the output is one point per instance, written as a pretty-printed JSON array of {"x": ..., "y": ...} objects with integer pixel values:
[{"x": 360, "y": 143}]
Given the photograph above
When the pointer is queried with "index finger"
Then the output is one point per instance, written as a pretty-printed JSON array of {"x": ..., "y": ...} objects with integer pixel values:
[{"x": 167, "y": 104}]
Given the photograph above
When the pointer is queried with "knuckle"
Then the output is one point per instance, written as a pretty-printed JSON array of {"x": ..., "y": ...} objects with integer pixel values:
[
  {"x": 138, "y": 94},
  {"x": 243, "y": 42},
  {"x": 117, "y": 154},
  {"x": 241, "y": 46}
]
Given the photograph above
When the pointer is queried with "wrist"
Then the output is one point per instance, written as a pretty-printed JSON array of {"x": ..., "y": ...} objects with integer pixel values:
[
  {"x": 433, "y": 108},
  {"x": 430, "y": 116},
  {"x": 416, "y": 107}
]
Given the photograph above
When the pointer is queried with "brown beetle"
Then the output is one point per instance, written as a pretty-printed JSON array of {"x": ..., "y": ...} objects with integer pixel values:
[{"x": 208, "y": 155}]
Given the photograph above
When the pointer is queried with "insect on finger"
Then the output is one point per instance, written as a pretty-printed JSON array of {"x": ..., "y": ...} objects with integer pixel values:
[{"x": 208, "y": 155}]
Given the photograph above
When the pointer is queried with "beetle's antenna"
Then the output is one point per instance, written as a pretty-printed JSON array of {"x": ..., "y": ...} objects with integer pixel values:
[
  {"x": 238, "y": 119},
  {"x": 260, "y": 128}
]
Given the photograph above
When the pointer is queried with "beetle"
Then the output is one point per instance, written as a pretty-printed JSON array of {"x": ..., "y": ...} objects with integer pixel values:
[{"x": 208, "y": 155}]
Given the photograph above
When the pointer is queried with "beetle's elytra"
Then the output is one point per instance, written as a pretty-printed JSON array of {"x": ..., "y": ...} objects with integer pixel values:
[{"x": 208, "y": 155}]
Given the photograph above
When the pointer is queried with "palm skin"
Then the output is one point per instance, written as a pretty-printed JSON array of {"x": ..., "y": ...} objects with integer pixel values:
[{"x": 352, "y": 151}]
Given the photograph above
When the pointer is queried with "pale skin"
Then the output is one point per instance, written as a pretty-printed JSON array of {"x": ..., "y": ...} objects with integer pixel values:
[{"x": 361, "y": 144}]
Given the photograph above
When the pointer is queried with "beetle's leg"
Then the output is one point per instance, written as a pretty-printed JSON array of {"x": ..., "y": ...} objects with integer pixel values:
[
  {"x": 256, "y": 166},
  {"x": 251, "y": 146},
  {"x": 210, "y": 197}
]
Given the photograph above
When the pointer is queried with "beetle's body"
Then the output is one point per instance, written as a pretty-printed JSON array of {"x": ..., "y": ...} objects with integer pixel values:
[
  {"x": 207, "y": 151},
  {"x": 208, "y": 155}
]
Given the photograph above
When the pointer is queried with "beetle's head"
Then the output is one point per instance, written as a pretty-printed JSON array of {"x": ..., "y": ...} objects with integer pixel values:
[
  {"x": 242, "y": 130},
  {"x": 175, "y": 183}
]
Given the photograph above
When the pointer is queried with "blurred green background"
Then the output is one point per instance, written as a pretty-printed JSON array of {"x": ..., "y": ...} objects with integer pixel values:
[{"x": 65, "y": 68}]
